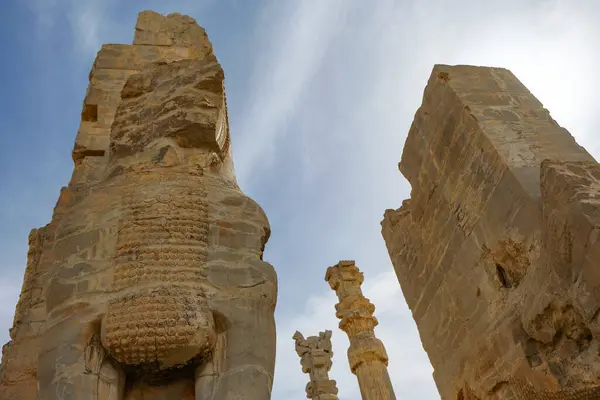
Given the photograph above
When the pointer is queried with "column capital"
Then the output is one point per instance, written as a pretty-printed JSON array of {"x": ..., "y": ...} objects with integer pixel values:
[
  {"x": 345, "y": 274},
  {"x": 315, "y": 357}
]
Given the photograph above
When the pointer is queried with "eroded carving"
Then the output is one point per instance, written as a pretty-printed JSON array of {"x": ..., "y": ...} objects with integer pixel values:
[
  {"x": 315, "y": 357},
  {"x": 156, "y": 286},
  {"x": 367, "y": 356},
  {"x": 497, "y": 247}
]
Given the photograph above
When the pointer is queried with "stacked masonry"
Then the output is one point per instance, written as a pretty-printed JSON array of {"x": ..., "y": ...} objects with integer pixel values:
[
  {"x": 497, "y": 249},
  {"x": 153, "y": 43}
]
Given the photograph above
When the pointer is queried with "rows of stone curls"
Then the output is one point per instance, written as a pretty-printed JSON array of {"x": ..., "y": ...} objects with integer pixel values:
[
  {"x": 525, "y": 391},
  {"x": 163, "y": 238},
  {"x": 161, "y": 251},
  {"x": 145, "y": 327}
]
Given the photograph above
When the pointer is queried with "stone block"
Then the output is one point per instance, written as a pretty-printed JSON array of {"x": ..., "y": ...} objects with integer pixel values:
[
  {"x": 571, "y": 211},
  {"x": 160, "y": 103},
  {"x": 103, "y": 97},
  {"x": 171, "y": 30},
  {"x": 474, "y": 158},
  {"x": 110, "y": 79},
  {"x": 88, "y": 170},
  {"x": 92, "y": 141},
  {"x": 130, "y": 57}
]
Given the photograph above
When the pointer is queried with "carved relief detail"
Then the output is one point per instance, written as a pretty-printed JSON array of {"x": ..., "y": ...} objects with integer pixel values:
[
  {"x": 367, "y": 356},
  {"x": 162, "y": 240},
  {"x": 315, "y": 357}
]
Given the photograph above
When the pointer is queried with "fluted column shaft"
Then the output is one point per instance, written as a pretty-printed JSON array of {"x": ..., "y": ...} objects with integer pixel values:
[{"x": 367, "y": 356}]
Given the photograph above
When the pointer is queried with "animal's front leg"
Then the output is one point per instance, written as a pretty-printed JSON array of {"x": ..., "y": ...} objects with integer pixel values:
[
  {"x": 207, "y": 372},
  {"x": 108, "y": 374},
  {"x": 244, "y": 363},
  {"x": 74, "y": 366}
]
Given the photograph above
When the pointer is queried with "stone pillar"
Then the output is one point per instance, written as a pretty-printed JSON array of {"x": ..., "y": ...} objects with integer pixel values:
[
  {"x": 315, "y": 357},
  {"x": 494, "y": 250},
  {"x": 367, "y": 356}
]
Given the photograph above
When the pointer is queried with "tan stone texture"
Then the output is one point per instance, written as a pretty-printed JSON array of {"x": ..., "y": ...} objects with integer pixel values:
[
  {"x": 367, "y": 356},
  {"x": 315, "y": 357},
  {"x": 495, "y": 249},
  {"x": 149, "y": 282}
]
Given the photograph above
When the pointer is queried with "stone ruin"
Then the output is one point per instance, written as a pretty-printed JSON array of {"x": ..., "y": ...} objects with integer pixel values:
[
  {"x": 315, "y": 357},
  {"x": 497, "y": 249},
  {"x": 148, "y": 278},
  {"x": 150, "y": 275},
  {"x": 366, "y": 355}
]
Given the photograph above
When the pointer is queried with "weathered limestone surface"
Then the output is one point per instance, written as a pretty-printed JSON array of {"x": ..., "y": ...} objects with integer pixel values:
[
  {"x": 149, "y": 282},
  {"x": 158, "y": 39},
  {"x": 315, "y": 357},
  {"x": 496, "y": 248},
  {"x": 367, "y": 356}
]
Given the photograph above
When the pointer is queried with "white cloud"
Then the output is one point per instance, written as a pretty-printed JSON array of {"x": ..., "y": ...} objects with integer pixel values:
[
  {"x": 292, "y": 43},
  {"x": 45, "y": 12},
  {"x": 87, "y": 18},
  {"x": 92, "y": 22}
]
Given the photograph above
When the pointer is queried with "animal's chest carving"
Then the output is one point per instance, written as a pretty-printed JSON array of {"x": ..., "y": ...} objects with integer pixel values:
[
  {"x": 163, "y": 236},
  {"x": 162, "y": 316}
]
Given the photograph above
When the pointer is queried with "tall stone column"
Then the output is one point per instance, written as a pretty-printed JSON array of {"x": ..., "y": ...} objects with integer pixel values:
[
  {"x": 367, "y": 355},
  {"x": 315, "y": 357}
]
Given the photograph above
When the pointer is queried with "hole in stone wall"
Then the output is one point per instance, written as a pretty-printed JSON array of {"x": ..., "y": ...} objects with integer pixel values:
[
  {"x": 80, "y": 154},
  {"x": 444, "y": 76},
  {"x": 507, "y": 261},
  {"x": 502, "y": 276},
  {"x": 94, "y": 153},
  {"x": 532, "y": 353},
  {"x": 89, "y": 113},
  {"x": 460, "y": 395},
  {"x": 151, "y": 374}
]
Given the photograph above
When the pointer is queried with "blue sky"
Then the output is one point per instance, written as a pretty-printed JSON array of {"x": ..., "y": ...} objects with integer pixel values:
[{"x": 320, "y": 95}]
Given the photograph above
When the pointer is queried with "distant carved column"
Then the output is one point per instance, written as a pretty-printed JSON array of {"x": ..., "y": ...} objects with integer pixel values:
[
  {"x": 367, "y": 355},
  {"x": 315, "y": 357}
]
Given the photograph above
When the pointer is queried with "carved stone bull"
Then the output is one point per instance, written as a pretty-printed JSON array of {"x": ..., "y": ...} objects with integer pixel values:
[{"x": 159, "y": 285}]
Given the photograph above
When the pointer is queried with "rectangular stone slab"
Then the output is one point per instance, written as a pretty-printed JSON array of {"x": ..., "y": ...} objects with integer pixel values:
[{"x": 134, "y": 57}]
